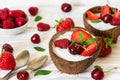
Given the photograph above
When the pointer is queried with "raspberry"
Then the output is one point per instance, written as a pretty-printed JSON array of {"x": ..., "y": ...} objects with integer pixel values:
[
  {"x": 20, "y": 21},
  {"x": 62, "y": 43},
  {"x": 8, "y": 24}
]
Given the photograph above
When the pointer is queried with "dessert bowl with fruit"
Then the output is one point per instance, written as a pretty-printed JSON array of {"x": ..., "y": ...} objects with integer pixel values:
[
  {"x": 103, "y": 21},
  {"x": 12, "y": 21},
  {"x": 74, "y": 50}
]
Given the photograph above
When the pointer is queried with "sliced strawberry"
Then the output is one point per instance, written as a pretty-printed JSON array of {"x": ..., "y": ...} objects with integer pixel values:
[
  {"x": 89, "y": 50},
  {"x": 92, "y": 16},
  {"x": 105, "y": 10},
  {"x": 117, "y": 14},
  {"x": 76, "y": 35},
  {"x": 62, "y": 43},
  {"x": 64, "y": 24}
]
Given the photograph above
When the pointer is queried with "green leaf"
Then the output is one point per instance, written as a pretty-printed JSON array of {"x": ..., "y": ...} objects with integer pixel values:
[
  {"x": 98, "y": 67},
  {"x": 81, "y": 37},
  {"x": 90, "y": 41},
  {"x": 108, "y": 42},
  {"x": 37, "y": 18},
  {"x": 39, "y": 48},
  {"x": 96, "y": 21},
  {"x": 42, "y": 72}
]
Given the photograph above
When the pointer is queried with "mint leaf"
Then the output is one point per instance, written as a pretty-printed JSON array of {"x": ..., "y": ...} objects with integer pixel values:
[
  {"x": 90, "y": 41},
  {"x": 39, "y": 48},
  {"x": 81, "y": 37},
  {"x": 98, "y": 67},
  {"x": 37, "y": 18},
  {"x": 42, "y": 72},
  {"x": 96, "y": 21},
  {"x": 108, "y": 42}
]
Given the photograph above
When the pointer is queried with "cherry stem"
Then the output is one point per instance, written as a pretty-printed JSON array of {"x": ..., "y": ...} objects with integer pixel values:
[{"x": 110, "y": 69}]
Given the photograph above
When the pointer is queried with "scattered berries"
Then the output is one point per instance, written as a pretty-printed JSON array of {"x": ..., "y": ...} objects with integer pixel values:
[
  {"x": 33, "y": 11},
  {"x": 22, "y": 75},
  {"x": 66, "y": 24},
  {"x": 106, "y": 47},
  {"x": 35, "y": 39},
  {"x": 62, "y": 43},
  {"x": 7, "y": 61},
  {"x": 97, "y": 73},
  {"x": 66, "y": 7},
  {"x": 7, "y": 47},
  {"x": 43, "y": 26}
]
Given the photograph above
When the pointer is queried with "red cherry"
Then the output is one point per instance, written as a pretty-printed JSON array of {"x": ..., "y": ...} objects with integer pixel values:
[
  {"x": 23, "y": 75},
  {"x": 35, "y": 39},
  {"x": 97, "y": 74},
  {"x": 66, "y": 7},
  {"x": 7, "y": 47}
]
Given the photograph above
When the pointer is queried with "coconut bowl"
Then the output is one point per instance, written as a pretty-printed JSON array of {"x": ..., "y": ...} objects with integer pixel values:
[
  {"x": 71, "y": 67},
  {"x": 110, "y": 33}
]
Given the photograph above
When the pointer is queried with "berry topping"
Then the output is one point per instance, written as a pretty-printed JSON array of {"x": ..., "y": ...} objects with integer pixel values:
[
  {"x": 92, "y": 16},
  {"x": 97, "y": 73},
  {"x": 106, "y": 18},
  {"x": 115, "y": 21},
  {"x": 106, "y": 47},
  {"x": 105, "y": 10},
  {"x": 64, "y": 24},
  {"x": 7, "y": 61},
  {"x": 7, "y": 47},
  {"x": 62, "y": 43},
  {"x": 43, "y": 26},
  {"x": 33, "y": 10},
  {"x": 75, "y": 48},
  {"x": 66, "y": 7},
  {"x": 35, "y": 39},
  {"x": 22, "y": 75}
]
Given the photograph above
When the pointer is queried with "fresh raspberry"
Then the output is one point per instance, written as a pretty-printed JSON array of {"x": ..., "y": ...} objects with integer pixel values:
[
  {"x": 7, "y": 61},
  {"x": 8, "y": 24},
  {"x": 33, "y": 10},
  {"x": 62, "y": 43},
  {"x": 20, "y": 21},
  {"x": 3, "y": 15},
  {"x": 43, "y": 26}
]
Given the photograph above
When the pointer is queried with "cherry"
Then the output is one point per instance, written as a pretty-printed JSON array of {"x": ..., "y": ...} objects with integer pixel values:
[
  {"x": 106, "y": 18},
  {"x": 7, "y": 47},
  {"x": 35, "y": 39},
  {"x": 97, "y": 74},
  {"x": 22, "y": 75},
  {"x": 66, "y": 7},
  {"x": 75, "y": 48}
]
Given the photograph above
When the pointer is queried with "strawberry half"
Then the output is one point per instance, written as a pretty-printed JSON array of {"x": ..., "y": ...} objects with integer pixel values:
[
  {"x": 7, "y": 61},
  {"x": 105, "y": 10},
  {"x": 117, "y": 14},
  {"x": 76, "y": 35},
  {"x": 92, "y": 16},
  {"x": 106, "y": 47},
  {"x": 66, "y": 24}
]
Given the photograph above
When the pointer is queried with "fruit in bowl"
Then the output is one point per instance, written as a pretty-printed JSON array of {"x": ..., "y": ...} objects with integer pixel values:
[
  {"x": 74, "y": 50},
  {"x": 12, "y": 21},
  {"x": 103, "y": 21}
]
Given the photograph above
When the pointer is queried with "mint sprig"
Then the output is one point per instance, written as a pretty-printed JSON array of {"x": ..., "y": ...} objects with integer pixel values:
[
  {"x": 38, "y": 18},
  {"x": 39, "y": 48},
  {"x": 42, "y": 72}
]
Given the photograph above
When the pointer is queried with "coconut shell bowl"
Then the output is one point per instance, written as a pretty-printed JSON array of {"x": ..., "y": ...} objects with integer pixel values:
[
  {"x": 110, "y": 33},
  {"x": 72, "y": 67}
]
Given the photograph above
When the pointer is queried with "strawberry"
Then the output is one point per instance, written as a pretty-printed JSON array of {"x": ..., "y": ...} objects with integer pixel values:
[
  {"x": 105, "y": 10},
  {"x": 89, "y": 49},
  {"x": 20, "y": 21},
  {"x": 33, "y": 10},
  {"x": 64, "y": 24},
  {"x": 7, "y": 61},
  {"x": 92, "y": 16},
  {"x": 106, "y": 47},
  {"x": 43, "y": 26},
  {"x": 17, "y": 13},
  {"x": 76, "y": 35},
  {"x": 117, "y": 14},
  {"x": 62, "y": 43}
]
